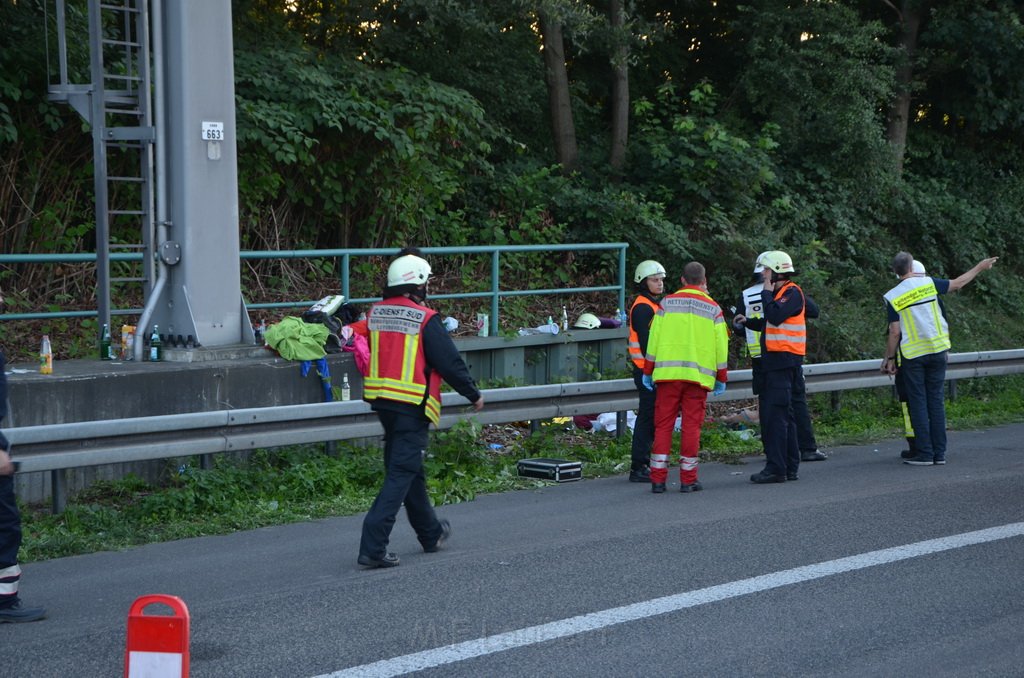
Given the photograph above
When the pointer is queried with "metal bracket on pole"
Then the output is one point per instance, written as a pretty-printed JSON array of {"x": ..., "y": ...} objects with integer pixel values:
[{"x": 170, "y": 252}]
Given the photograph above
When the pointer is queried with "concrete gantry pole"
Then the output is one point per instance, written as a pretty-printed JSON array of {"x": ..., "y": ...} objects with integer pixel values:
[
  {"x": 189, "y": 233},
  {"x": 201, "y": 253}
]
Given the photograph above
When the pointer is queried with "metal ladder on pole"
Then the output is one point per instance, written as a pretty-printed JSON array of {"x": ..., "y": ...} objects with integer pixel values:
[{"x": 118, "y": 106}]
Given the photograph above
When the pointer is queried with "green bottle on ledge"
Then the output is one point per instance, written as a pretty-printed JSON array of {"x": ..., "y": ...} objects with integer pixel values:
[
  {"x": 105, "y": 353},
  {"x": 156, "y": 346}
]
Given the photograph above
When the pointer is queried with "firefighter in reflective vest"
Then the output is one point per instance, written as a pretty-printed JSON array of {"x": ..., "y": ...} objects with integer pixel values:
[
  {"x": 749, "y": 323},
  {"x": 783, "y": 346},
  {"x": 410, "y": 353},
  {"x": 687, "y": 356},
  {"x": 919, "y": 333},
  {"x": 649, "y": 278}
]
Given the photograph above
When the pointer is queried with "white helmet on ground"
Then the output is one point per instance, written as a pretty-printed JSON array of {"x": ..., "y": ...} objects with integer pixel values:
[
  {"x": 778, "y": 261},
  {"x": 587, "y": 321},
  {"x": 408, "y": 270},
  {"x": 647, "y": 268}
]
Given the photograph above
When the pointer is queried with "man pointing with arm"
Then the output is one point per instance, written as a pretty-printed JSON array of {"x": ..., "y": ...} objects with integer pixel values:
[{"x": 919, "y": 331}]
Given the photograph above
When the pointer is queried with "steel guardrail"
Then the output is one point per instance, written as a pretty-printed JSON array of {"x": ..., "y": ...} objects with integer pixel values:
[{"x": 63, "y": 446}]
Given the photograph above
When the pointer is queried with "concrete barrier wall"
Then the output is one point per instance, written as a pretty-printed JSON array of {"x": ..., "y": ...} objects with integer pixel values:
[{"x": 91, "y": 390}]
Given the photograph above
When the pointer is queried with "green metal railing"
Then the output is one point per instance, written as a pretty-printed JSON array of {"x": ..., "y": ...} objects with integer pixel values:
[{"x": 343, "y": 259}]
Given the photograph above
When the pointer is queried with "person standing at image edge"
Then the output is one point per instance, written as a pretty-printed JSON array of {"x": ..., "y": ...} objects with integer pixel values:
[
  {"x": 783, "y": 346},
  {"x": 649, "y": 278},
  {"x": 11, "y": 609},
  {"x": 749, "y": 323},
  {"x": 410, "y": 353},
  {"x": 919, "y": 333},
  {"x": 687, "y": 356}
]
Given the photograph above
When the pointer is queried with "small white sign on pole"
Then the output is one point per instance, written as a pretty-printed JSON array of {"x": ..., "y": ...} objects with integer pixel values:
[{"x": 213, "y": 131}]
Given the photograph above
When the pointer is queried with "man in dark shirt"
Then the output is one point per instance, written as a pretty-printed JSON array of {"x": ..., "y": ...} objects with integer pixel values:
[
  {"x": 783, "y": 346},
  {"x": 919, "y": 334},
  {"x": 749, "y": 323},
  {"x": 410, "y": 353}
]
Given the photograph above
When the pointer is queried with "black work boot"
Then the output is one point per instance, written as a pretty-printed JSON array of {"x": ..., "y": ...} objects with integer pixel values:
[
  {"x": 657, "y": 488},
  {"x": 911, "y": 450},
  {"x": 761, "y": 478},
  {"x": 16, "y": 614},
  {"x": 446, "y": 533},
  {"x": 387, "y": 560},
  {"x": 640, "y": 475}
]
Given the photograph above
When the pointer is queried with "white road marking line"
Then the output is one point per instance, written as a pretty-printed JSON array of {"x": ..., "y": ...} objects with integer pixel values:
[{"x": 449, "y": 654}]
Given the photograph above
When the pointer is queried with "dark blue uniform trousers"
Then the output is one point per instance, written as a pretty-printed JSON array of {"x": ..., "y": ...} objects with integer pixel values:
[
  {"x": 778, "y": 422},
  {"x": 405, "y": 445},
  {"x": 924, "y": 378},
  {"x": 10, "y": 519},
  {"x": 10, "y": 538},
  {"x": 801, "y": 412},
  {"x": 643, "y": 428},
  {"x": 10, "y": 524}
]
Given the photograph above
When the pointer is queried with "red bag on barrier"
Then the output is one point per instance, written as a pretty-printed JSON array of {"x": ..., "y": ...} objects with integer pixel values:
[{"x": 355, "y": 343}]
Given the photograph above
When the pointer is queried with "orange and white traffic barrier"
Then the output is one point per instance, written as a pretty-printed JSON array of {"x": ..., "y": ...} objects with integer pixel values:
[{"x": 157, "y": 643}]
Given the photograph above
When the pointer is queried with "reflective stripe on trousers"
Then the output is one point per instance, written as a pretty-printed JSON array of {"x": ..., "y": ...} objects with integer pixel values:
[{"x": 9, "y": 577}]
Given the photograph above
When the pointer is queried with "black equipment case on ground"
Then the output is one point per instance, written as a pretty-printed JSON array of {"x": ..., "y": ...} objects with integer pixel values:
[{"x": 559, "y": 470}]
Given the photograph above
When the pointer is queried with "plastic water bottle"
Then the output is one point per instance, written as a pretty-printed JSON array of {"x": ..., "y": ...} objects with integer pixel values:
[
  {"x": 565, "y": 320},
  {"x": 156, "y": 346},
  {"x": 128, "y": 342},
  {"x": 45, "y": 356},
  {"x": 346, "y": 389},
  {"x": 621, "y": 316},
  {"x": 105, "y": 353}
]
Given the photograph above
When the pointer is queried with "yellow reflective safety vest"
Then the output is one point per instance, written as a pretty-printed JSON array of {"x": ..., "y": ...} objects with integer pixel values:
[
  {"x": 754, "y": 309},
  {"x": 923, "y": 327},
  {"x": 398, "y": 366},
  {"x": 636, "y": 353},
  {"x": 791, "y": 335},
  {"x": 689, "y": 339}
]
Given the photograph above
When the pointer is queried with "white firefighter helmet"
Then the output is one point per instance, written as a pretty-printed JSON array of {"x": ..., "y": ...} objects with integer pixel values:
[
  {"x": 408, "y": 270},
  {"x": 778, "y": 261},
  {"x": 587, "y": 321},
  {"x": 648, "y": 268},
  {"x": 917, "y": 268},
  {"x": 758, "y": 266}
]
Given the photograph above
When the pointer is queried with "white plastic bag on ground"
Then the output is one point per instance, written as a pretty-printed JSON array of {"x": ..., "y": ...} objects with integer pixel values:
[{"x": 607, "y": 421}]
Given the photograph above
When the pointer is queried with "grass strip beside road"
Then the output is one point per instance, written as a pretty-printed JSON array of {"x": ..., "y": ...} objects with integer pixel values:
[{"x": 275, "y": 487}]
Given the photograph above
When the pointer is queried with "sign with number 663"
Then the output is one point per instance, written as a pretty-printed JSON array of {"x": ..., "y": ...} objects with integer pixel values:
[{"x": 213, "y": 131}]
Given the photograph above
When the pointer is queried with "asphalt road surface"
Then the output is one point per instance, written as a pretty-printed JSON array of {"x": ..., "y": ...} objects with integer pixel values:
[{"x": 863, "y": 567}]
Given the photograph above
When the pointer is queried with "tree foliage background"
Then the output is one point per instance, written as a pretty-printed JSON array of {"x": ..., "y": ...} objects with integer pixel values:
[{"x": 840, "y": 131}]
